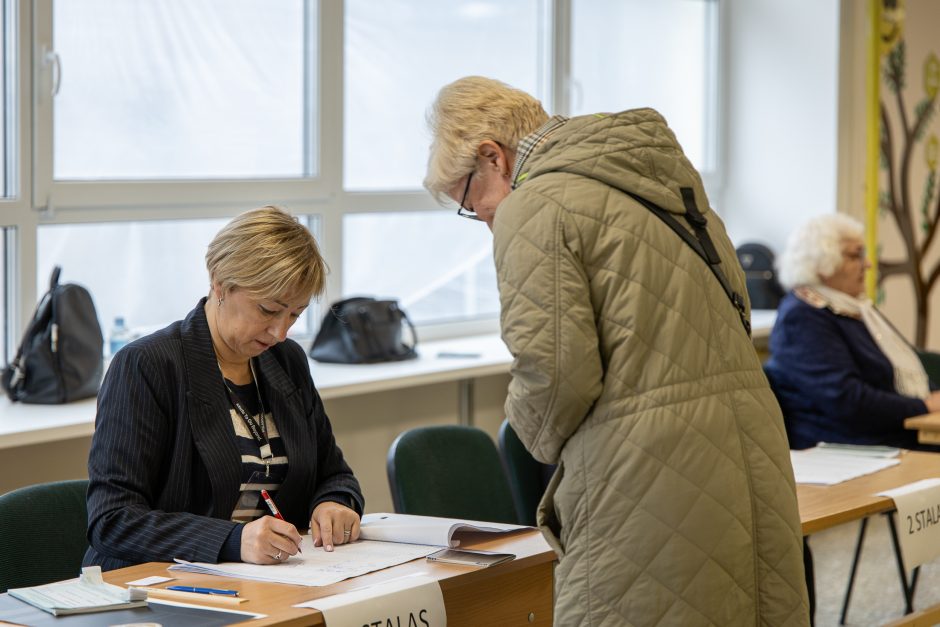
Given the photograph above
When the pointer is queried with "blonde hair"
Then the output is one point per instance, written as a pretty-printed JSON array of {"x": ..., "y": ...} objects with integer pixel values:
[
  {"x": 466, "y": 113},
  {"x": 268, "y": 253},
  {"x": 814, "y": 249}
]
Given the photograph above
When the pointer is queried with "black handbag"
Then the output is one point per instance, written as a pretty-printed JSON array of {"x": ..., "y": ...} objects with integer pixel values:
[
  {"x": 60, "y": 358},
  {"x": 364, "y": 330}
]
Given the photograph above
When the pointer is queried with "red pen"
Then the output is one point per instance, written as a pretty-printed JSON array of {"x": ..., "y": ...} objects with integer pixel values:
[
  {"x": 274, "y": 510},
  {"x": 271, "y": 506}
]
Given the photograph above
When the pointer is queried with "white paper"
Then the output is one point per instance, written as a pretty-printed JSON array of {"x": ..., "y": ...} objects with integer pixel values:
[
  {"x": 865, "y": 450},
  {"x": 424, "y": 529},
  {"x": 316, "y": 567},
  {"x": 918, "y": 506},
  {"x": 150, "y": 581},
  {"x": 213, "y": 608},
  {"x": 825, "y": 467},
  {"x": 88, "y": 593},
  {"x": 403, "y": 601}
]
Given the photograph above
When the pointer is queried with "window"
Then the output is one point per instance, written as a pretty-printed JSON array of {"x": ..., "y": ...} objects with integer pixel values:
[
  {"x": 180, "y": 89},
  {"x": 398, "y": 57},
  {"x": 7, "y": 341},
  {"x": 635, "y": 53},
  {"x": 140, "y": 127},
  {"x": 438, "y": 266},
  {"x": 7, "y": 124},
  {"x": 149, "y": 273}
]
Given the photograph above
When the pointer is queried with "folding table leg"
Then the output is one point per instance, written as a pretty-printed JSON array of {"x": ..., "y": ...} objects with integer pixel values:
[{"x": 858, "y": 554}]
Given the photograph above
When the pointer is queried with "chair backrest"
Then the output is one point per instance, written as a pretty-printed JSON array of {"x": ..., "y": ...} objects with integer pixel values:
[
  {"x": 527, "y": 476},
  {"x": 763, "y": 289},
  {"x": 450, "y": 471},
  {"x": 931, "y": 362},
  {"x": 42, "y": 533}
]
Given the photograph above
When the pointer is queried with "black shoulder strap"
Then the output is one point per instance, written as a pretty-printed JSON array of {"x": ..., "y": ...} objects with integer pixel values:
[{"x": 700, "y": 242}]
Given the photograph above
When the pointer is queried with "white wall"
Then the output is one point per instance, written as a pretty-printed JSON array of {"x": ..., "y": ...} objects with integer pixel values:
[{"x": 781, "y": 63}]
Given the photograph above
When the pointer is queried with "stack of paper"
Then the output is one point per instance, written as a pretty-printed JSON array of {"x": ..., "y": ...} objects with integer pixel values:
[
  {"x": 385, "y": 540},
  {"x": 316, "y": 567},
  {"x": 89, "y": 593},
  {"x": 828, "y": 466},
  {"x": 425, "y": 529}
]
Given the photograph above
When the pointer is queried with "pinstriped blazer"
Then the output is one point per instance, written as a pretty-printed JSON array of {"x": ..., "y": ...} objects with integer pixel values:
[{"x": 164, "y": 467}]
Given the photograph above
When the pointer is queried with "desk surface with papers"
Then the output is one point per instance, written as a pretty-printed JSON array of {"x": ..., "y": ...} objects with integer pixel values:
[
  {"x": 825, "y": 506},
  {"x": 518, "y": 592}
]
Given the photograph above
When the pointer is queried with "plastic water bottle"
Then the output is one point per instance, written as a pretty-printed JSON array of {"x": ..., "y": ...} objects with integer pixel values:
[{"x": 120, "y": 335}]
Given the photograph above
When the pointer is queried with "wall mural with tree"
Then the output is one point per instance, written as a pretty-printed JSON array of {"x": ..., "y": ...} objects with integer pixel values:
[{"x": 909, "y": 202}]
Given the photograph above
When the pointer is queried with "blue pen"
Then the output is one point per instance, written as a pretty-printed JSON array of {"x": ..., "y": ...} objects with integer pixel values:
[{"x": 228, "y": 593}]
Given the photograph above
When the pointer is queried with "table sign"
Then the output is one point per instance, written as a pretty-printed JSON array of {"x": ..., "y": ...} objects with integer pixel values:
[
  {"x": 411, "y": 601},
  {"x": 918, "y": 506}
]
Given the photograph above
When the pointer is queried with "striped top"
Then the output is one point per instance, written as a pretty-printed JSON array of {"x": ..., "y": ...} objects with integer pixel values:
[{"x": 255, "y": 476}]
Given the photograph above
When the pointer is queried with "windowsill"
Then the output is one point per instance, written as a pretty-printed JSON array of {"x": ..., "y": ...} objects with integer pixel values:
[{"x": 22, "y": 425}]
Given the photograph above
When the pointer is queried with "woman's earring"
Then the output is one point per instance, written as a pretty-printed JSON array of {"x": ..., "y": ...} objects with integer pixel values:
[{"x": 220, "y": 302}]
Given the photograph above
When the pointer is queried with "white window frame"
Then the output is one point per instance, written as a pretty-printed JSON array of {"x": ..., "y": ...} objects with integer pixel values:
[{"x": 42, "y": 201}]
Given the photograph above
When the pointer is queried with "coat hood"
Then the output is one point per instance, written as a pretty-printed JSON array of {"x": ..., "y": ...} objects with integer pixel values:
[{"x": 633, "y": 151}]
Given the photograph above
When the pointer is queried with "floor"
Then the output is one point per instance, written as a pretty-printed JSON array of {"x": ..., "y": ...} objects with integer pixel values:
[{"x": 877, "y": 596}]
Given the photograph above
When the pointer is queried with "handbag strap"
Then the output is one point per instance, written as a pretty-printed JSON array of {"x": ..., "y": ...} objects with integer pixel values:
[
  {"x": 700, "y": 242},
  {"x": 19, "y": 373},
  {"x": 411, "y": 327}
]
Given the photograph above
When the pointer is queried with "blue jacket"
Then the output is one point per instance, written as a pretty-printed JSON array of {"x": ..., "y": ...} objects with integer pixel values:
[
  {"x": 833, "y": 382},
  {"x": 164, "y": 466}
]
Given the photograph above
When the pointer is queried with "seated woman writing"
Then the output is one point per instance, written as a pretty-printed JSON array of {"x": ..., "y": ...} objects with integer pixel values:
[
  {"x": 841, "y": 372},
  {"x": 196, "y": 419}
]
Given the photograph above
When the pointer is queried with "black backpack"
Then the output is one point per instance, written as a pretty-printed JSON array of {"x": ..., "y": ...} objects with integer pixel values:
[
  {"x": 60, "y": 358},
  {"x": 762, "y": 285}
]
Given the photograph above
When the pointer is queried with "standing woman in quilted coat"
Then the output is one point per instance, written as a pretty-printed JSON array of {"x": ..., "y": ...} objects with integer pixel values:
[{"x": 674, "y": 501}]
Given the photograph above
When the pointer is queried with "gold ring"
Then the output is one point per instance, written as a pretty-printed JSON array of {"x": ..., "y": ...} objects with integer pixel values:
[{"x": 278, "y": 556}]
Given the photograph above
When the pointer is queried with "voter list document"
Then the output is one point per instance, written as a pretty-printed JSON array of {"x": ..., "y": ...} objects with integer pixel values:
[{"x": 316, "y": 567}]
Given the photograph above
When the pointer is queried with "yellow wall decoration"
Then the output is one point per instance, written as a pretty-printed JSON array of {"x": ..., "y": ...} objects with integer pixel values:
[{"x": 906, "y": 214}]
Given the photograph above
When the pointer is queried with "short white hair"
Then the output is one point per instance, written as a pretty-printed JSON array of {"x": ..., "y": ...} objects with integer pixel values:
[
  {"x": 814, "y": 249},
  {"x": 468, "y": 112}
]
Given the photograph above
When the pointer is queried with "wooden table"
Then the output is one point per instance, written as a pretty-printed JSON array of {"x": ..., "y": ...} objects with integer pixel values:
[
  {"x": 518, "y": 592},
  {"x": 927, "y": 427},
  {"x": 825, "y": 506}
]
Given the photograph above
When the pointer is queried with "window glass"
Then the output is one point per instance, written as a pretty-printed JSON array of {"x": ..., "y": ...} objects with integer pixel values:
[
  {"x": 438, "y": 265},
  {"x": 7, "y": 71},
  {"x": 6, "y": 330},
  {"x": 181, "y": 89},
  {"x": 635, "y": 53},
  {"x": 149, "y": 273},
  {"x": 397, "y": 58}
]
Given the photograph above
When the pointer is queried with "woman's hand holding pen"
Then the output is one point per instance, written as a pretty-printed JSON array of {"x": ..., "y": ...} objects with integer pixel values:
[
  {"x": 332, "y": 523},
  {"x": 269, "y": 541}
]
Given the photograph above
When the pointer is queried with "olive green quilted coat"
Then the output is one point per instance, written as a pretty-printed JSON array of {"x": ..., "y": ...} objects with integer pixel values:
[{"x": 674, "y": 502}]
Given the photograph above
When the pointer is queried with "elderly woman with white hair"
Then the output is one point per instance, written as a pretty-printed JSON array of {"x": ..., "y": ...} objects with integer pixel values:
[{"x": 841, "y": 372}]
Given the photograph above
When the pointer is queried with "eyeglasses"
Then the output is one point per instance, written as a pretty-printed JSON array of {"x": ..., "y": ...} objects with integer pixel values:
[
  {"x": 854, "y": 255},
  {"x": 462, "y": 210}
]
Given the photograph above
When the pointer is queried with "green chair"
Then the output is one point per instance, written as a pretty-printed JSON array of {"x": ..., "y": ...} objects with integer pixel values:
[
  {"x": 42, "y": 533},
  {"x": 449, "y": 471},
  {"x": 527, "y": 476},
  {"x": 931, "y": 362}
]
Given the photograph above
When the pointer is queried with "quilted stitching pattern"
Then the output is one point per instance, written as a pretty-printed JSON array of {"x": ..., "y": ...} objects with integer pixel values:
[{"x": 677, "y": 504}]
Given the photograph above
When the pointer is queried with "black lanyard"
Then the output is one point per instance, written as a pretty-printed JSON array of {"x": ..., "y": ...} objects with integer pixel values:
[{"x": 258, "y": 431}]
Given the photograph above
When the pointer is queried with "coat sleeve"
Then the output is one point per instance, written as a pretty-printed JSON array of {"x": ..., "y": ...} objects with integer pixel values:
[
  {"x": 132, "y": 445},
  {"x": 547, "y": 322},
  {"x": 813, "y": 355}
]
